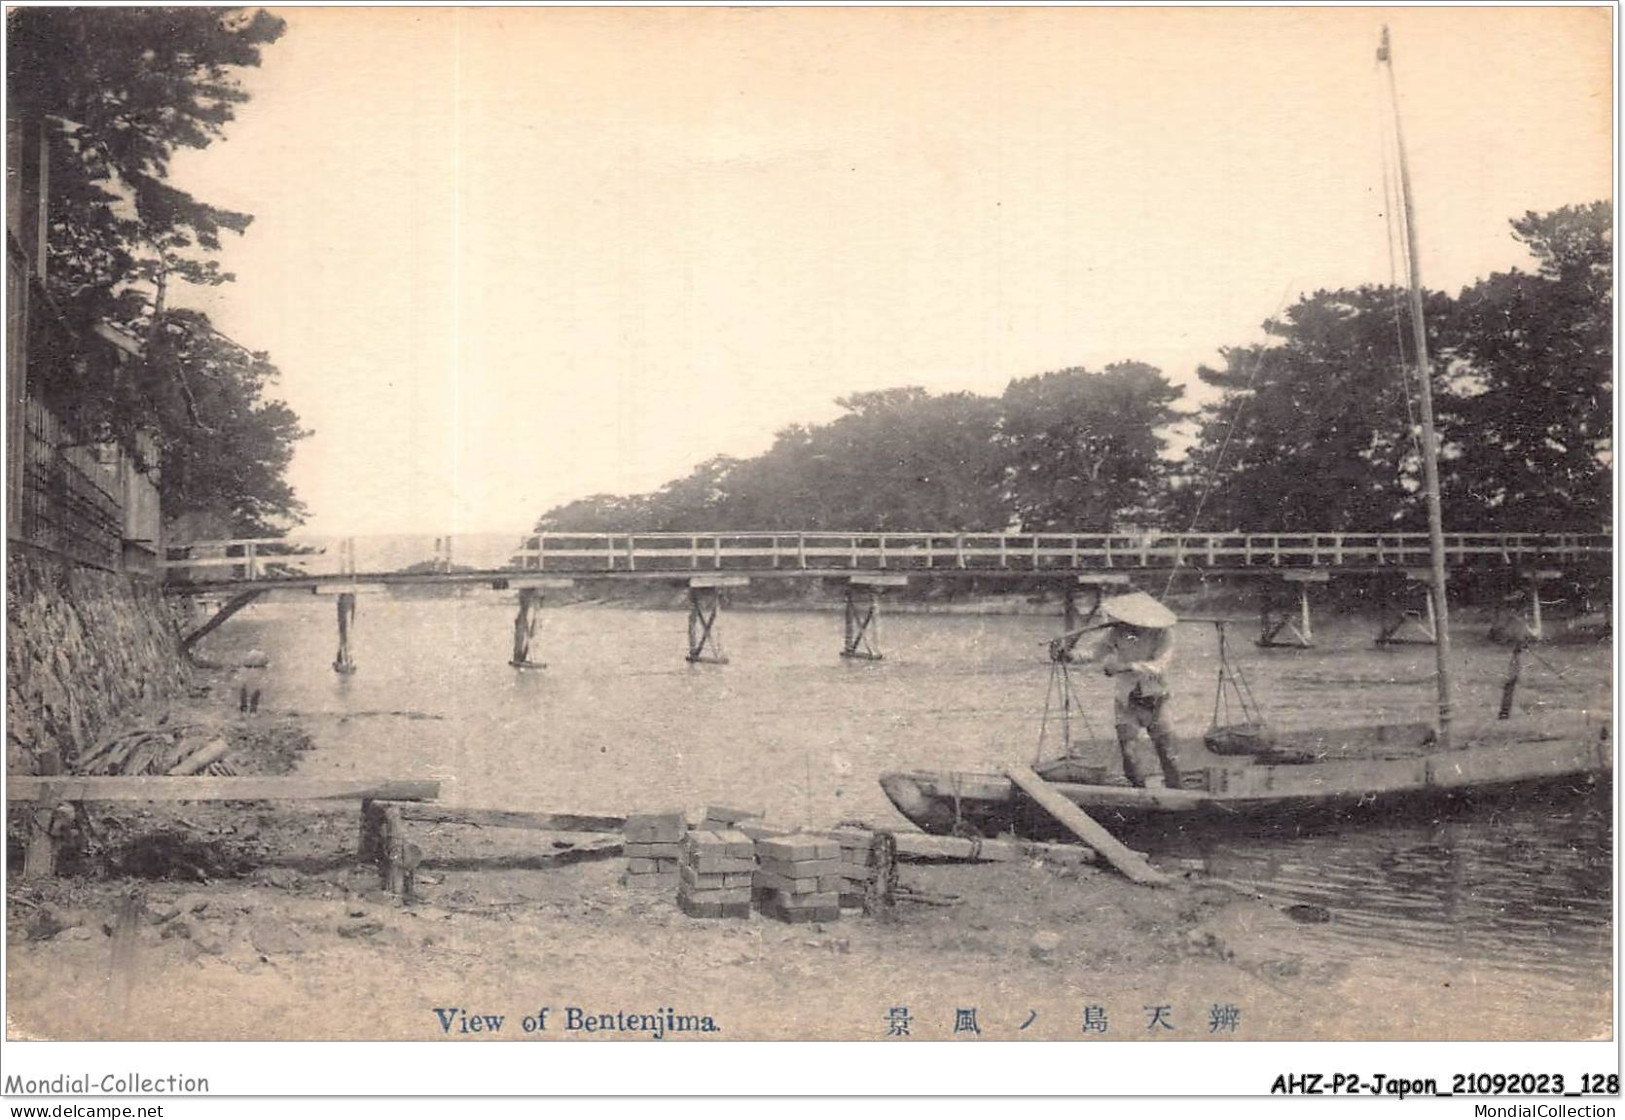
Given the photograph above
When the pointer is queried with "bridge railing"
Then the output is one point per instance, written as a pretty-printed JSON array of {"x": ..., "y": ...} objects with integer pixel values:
[
  {"x": 1038, "y": 552},
  {"x": 257, "y": 558}
]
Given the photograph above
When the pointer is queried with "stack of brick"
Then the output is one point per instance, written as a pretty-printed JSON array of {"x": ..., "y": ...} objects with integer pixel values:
[
  {"x": 798, "y": 878},
  {"x": 714, "y": 880},
  {"x": 653, "y": 843}
]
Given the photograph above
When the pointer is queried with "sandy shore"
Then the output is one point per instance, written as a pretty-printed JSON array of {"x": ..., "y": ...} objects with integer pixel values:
[{"x": 270, "y": 929}]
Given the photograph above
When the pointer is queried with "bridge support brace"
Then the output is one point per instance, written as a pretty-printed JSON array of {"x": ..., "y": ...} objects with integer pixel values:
[
  {"x": 1513, "y": 624},
  {"x": 862, "y": 626},
  {"x": 343, "y": 662},
  {"x": 704, "y": 606},
  {"x": 1412, "y": 627},
  {"x": 1093, "y": 590},
  {"x": 232, "y": 606},
  {"x": 1276, "y": 627},
  {"x": 704, "y": 643},
  {"x": 863, "y": 615}
]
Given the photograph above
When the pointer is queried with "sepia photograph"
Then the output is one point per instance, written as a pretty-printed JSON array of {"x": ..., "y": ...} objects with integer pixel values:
[{"x": 804, "y": 524}]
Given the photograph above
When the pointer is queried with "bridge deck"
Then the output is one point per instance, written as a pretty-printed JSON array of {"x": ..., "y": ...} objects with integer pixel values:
[{"x": 281, "y": 563}]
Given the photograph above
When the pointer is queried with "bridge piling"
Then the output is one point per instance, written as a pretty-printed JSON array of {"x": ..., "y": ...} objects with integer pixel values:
[
  {"x": 1276, "y": 628},
  {"x": 343, "y": 662},
  {"x": 1071, "y": 620},
  {"x": 1521, "y": 615},
  {"x": 704, "y": 607},
  {"x": 863, "y": 619},
  {"x": 1412, "y": 627},
  {"x": 524, "y": 628},
  {"x": 862, "y": 627}
]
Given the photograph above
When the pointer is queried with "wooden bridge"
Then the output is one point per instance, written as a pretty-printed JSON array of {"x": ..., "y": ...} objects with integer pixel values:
[{"x": 866, "y": 563}]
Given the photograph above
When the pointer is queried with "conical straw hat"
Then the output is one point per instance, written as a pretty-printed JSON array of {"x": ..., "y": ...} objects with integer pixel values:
[{"x": 1138, "y": 609}]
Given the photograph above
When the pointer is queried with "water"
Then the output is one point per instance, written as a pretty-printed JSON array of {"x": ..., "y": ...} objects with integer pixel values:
[{"x": 619, "y": 722}]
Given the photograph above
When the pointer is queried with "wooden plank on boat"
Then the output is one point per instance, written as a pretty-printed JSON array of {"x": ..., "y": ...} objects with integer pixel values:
[
  {"x": 1085, "y": 828},
  {"x": 970, "y": 787},
  {"x": 514, "y": 818},
  {"x": 194, "y": 788}
]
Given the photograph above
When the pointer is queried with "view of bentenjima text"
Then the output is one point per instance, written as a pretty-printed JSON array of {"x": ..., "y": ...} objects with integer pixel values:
[{"x": 600, "y": 524}]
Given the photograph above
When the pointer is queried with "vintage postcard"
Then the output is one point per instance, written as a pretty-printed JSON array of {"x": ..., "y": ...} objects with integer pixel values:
[{"x": 811, "y": 524}]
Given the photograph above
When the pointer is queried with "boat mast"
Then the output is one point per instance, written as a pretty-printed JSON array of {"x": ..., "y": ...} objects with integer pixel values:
[{"x": 1430, "y": 453}]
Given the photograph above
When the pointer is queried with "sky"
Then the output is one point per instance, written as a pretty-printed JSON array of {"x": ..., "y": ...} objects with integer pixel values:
[{"x": 506, "y": 258}]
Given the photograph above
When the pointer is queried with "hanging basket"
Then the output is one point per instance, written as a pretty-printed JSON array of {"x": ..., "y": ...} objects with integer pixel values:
[{"x": 1240, "y": 739}]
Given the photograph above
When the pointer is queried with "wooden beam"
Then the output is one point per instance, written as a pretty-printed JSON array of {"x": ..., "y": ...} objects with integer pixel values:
[
  {"x": 533, "y": 583},
  {"x": 923, "y": 845},
  {"x": 1085, "y": 828},
  {"x": 514, "y": 818},
  {"x": 348, "y": 589},
  {"x": 166, "y": 788},
  {"x": 873, "y": 580},
  {"x": 719, "y": 581},
  {"x": 1307, "y": 577}
]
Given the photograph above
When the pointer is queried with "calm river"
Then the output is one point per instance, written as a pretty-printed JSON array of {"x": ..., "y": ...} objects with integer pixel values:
[{"x": 618, "y": 721}]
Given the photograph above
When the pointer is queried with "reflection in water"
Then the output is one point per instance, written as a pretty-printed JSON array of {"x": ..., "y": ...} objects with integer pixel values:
[
  {"x": 1531, "y": 883},
  {"x": 619, "y": 722}
]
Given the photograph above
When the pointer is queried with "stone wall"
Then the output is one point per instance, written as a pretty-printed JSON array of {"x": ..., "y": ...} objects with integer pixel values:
[{"x": 82, "y": 647}]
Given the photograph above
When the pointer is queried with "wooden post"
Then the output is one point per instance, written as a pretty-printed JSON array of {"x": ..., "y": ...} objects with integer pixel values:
[
  {"x": 1536, "y": 631},
  {"x": 343, "y": 662},
  {"x": 371, "y": 846},
  {"x": 524, "y": 628},
  {"x": 392, "y": 870},
  {"x": 880, "y": 893},
  {"x": 39, "y": 853}
]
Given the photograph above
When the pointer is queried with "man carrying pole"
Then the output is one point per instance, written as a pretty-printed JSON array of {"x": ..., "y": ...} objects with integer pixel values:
[{"x": 1136, "y": 650}]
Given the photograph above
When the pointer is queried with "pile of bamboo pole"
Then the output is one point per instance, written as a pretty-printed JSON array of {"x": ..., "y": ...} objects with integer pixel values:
[{"x": 165, "y": 749}]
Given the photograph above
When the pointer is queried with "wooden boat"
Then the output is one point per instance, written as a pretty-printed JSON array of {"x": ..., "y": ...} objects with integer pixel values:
[
  {"x": 1360, "y": 773},
  {"x": 1304, "y": 778}
]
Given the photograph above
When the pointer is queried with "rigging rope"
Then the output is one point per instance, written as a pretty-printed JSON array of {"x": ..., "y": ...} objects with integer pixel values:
[
  {"x": 1230, "y": 674},
  {"x": 1224, "y": 446}
]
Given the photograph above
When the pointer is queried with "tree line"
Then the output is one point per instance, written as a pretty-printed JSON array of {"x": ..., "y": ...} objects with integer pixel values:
[
  {"x": 114, "y": 93},
  {"x": 1313, "y": 429}
]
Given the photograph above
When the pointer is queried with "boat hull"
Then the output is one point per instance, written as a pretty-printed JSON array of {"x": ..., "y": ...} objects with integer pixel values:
[{"x": 1266, "y": 798}]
